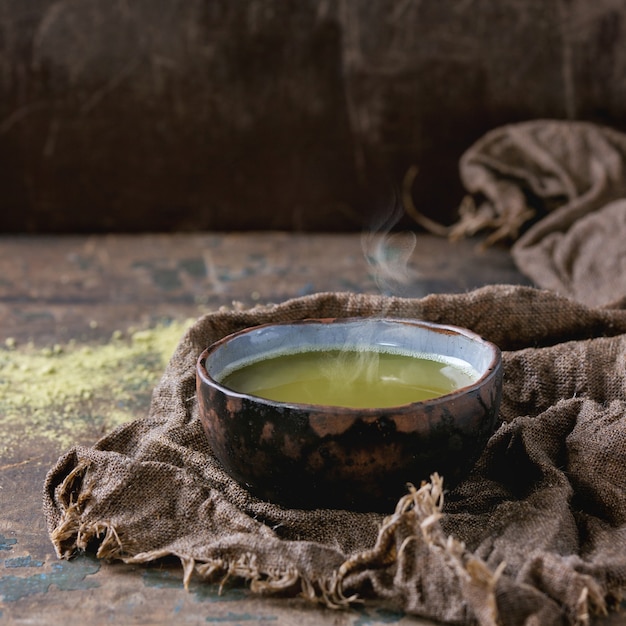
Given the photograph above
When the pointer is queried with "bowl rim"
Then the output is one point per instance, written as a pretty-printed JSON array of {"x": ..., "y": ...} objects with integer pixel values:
[{"x": 491, "y": 371}]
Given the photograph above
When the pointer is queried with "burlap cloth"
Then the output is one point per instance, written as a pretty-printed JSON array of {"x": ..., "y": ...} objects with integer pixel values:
[
  {"x": 536, "y": 534},
  {"x": 557, "y": 189}
]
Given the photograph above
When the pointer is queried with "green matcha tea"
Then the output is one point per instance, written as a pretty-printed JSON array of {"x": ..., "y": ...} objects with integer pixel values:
[{"x": 351, "y": 378}]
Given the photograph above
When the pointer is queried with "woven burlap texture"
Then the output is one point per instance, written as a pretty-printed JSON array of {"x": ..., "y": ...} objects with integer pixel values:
[
  {"x": 557, "y": 190},
  {"x": 535, "y": 535}
]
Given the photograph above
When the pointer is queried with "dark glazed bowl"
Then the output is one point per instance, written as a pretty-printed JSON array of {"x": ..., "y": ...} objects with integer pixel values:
[{"x": 311, "y": 456}]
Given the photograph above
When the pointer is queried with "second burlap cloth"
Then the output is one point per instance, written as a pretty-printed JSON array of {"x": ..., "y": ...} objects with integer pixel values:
[
  {"x": 535, "y": 535},
  {"x": 557, "y": 190}
]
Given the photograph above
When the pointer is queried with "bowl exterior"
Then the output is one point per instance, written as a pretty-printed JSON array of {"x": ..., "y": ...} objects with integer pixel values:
[{"x": 306, "y": 456}]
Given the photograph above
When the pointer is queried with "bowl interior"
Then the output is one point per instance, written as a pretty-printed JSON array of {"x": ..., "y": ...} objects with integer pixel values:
[{"x": 408, "y": 337}]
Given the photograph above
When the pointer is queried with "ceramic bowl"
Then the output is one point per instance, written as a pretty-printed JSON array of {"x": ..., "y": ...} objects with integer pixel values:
[{"x": 315, "y": 456}]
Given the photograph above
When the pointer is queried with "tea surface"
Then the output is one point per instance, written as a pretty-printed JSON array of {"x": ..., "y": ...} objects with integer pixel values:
[{"x": 350, "y": 378}]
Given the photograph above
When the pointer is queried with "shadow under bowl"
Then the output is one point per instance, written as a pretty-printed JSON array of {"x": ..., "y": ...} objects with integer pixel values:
[{"x": 309, "y": 456}]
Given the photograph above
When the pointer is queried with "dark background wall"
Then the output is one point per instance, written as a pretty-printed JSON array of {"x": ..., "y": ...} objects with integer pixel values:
[{"x": 135, "y": 115}]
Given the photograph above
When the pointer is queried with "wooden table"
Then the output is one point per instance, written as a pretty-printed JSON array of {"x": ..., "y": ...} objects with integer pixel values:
[{"x": 63, "y": 297}]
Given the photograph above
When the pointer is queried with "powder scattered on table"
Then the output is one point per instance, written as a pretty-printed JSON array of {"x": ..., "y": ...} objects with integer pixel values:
[{"x": 74, "y": 392}]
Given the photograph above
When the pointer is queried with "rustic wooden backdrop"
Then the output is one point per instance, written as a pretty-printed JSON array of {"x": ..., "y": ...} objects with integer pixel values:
[{"x": 135, "y": 115}]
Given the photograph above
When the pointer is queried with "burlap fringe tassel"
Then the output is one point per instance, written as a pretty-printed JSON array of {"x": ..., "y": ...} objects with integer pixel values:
[
  {"x": 72, "y": 534},
  {"x": 420, "y": 510},
  {"x": 505, "y": 222}
]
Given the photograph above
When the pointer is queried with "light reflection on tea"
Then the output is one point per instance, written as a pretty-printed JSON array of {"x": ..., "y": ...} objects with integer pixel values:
[{"x": 351, "y": 378}]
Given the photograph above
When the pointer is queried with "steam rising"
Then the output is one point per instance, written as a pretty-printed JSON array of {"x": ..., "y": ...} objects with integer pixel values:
[{"x": 388, "y": 254}]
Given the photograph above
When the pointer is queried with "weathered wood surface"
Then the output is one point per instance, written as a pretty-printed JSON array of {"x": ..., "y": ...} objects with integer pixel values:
[{"x": 55, "y": 290}]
